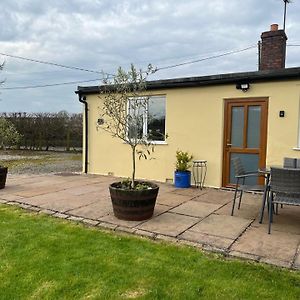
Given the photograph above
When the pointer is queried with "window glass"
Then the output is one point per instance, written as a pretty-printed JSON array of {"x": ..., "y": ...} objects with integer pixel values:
[
  {"x": 156, "y": 119},
  {"x": 253, "y": 134},
  {"x": 147, "y": 117},
  {"x": 237, "y": 126},
  {"x": 250, "y": 163},
  {"x": 136, "y": 112}
]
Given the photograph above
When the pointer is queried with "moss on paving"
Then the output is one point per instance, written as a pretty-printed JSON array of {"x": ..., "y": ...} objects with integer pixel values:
[{"x": 46, "y": 258}]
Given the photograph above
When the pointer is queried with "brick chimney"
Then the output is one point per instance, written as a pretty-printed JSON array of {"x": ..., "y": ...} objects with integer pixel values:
[{"x": 273, "y": 49}]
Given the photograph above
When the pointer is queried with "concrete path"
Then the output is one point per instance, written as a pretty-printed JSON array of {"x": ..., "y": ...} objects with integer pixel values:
[{"x": 189, "y": 216}]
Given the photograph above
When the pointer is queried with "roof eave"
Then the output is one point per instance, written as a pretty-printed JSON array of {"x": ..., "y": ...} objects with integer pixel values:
[{"x": 219, "y": 79}]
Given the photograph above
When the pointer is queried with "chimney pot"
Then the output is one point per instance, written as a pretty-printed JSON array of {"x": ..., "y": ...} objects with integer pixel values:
[{"x": 274, "y": 27}]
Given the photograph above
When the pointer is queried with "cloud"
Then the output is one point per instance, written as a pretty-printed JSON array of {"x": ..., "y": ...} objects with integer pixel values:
[{"x": 103, "y": 34}]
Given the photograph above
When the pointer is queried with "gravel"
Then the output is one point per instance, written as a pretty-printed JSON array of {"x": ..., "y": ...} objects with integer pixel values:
[
  {"x": 64, "y": 166},
  {"x": 42, "y": 163}
]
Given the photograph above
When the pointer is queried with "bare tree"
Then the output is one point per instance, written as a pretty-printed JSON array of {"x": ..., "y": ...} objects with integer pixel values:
[{"x": 123, "y": 111}]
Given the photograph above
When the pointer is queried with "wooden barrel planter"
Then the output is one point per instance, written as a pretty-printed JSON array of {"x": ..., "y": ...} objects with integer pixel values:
[
  {"x": 3, "y": 174},
  {"x": 133, "y": 205}
]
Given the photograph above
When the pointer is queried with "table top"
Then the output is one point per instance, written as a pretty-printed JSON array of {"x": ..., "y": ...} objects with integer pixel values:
[
  {"x": 199, "y": 161},
  {"x": 267, "y": 170}
]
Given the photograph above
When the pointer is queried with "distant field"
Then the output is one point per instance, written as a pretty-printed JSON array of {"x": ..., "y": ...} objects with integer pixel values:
[{"x": 36, "y": 162}]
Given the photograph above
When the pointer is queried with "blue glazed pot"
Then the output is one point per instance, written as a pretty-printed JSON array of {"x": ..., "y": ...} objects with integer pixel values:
[{"x": 182, "y": 179}]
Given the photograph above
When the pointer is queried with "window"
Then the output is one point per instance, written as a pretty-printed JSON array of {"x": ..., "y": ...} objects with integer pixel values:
[{"x": 147, "y": 117}]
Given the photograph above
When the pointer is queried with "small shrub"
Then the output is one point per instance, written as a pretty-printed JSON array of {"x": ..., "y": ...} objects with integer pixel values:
[
  {"x": 183, "y": 160},
  {"x": 9, "y": 135}
]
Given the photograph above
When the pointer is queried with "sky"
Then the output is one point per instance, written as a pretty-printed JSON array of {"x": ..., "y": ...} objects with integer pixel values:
[{"x": 101, "y": 35}]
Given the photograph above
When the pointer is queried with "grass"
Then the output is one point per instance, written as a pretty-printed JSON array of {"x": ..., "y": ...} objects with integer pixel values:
[{"x": 47, "y": 258}]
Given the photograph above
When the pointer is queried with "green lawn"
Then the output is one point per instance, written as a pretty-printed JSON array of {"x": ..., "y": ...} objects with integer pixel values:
[{"x": 47, "y": 258}]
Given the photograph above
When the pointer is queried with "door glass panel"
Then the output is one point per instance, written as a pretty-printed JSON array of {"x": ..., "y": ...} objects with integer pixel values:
[
  {"x": 250, "y": 163},
  {"x": 237, "y": 126},
  {"x": 253, "y": 130}
]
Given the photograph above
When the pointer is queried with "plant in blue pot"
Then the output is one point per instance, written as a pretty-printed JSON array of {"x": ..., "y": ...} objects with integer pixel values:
[{"x": 182, "y": 174}]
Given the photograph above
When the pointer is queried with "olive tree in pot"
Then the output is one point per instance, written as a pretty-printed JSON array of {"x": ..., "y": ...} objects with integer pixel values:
[
  {"x": 9, "y": 136},
  {"x": 182, "y": 174},
  {"x": 122, "y": 111}
]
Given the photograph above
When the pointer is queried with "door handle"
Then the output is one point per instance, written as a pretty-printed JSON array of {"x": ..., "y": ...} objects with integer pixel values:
[{"x": 228, "y": 145}]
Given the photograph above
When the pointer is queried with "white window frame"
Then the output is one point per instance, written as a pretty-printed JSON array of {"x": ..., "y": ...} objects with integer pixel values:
[{"x": 145, "y": 117}]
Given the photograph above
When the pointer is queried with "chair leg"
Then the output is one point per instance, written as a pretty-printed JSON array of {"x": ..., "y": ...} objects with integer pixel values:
[
  {"x": 241, "y": 194},
  {"x": 240, "y": 199},
  {"x": 234, "y": 198},
  {"x": 265, "y": 199},
  {"x": 270, "y": 212}
]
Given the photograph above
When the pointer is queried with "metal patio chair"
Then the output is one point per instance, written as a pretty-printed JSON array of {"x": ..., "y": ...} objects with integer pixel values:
[
  {"x": 241, "y": 175},
  {"x": 284, "y": 189}
]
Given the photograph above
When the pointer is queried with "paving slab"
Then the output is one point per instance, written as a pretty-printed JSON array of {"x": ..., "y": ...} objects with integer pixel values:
[
  {"x": 94, "y": 210},
  {"x": 36, "y": 191},
  {"x": 252, "y": 199},
  {"x": 86, "y": 189},
  {"x": 166, "y": 187},
  {"x": 45, "y": 198},
  {"x": 215, "y": 196},
  {"x": 206, "y": 239},
  {"x": 97, "y": 196},
  {"x": 110, "y": 218},
  {"x": 244, "y": 255},
  {"x": 278, "y": 245},
  {"x": 246, "y": 211},
  {"x": 11, "y": 189},
  {"x": 196, "y": 209},
  {"x": 198, "y": 217},
  {"x": 90, "y": 222},
  {"x": 169, "y": 224},
  {"x": 222, "y": 226},
  {"x": 297, "y": 260},
  {"x": 10, "y": 197},
  {"x": 171, "y": 199},
  {"x": 13, "y": 180},
  {"x": 288, "y": 220},
  {"x": 191, "y": 192},
  {"x": 66, "y": 204}
]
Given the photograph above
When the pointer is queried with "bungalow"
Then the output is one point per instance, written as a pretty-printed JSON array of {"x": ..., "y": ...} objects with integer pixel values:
[{"x": 251, "y": 115}]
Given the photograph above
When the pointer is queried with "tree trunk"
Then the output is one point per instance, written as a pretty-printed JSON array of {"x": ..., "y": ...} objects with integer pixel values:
[{"x": 133, "y": 167}]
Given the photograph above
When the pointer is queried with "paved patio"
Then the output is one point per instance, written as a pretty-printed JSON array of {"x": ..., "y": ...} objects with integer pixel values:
[{"x": 189, "y": 216}]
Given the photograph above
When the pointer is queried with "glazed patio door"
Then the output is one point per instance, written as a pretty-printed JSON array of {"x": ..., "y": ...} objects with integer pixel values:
[{"x": 245, "y": 136}]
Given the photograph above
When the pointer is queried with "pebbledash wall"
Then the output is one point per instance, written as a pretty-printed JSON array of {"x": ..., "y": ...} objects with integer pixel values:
[{"x": 195, "y": 123}]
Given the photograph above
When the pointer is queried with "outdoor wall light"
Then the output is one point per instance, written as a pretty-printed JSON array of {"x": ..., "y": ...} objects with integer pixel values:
[
  {"x": 243, "y": 86},
  {"x": 100, "y": 122}
]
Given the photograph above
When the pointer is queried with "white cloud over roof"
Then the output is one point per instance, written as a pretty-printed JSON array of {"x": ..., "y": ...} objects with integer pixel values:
[{"x": 102, "y": 35}]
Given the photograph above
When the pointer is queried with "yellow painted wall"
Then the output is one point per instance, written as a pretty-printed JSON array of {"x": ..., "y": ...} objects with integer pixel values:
[{"x": 194, "y": 123}]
